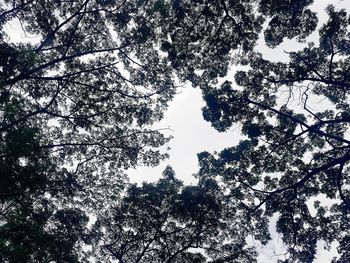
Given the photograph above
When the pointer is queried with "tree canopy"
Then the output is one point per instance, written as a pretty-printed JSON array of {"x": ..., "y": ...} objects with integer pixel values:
[
  {"x": 78, "y": 102},
  {"x": 291, "y": 154},
  {"x": 76, "y": 112}
]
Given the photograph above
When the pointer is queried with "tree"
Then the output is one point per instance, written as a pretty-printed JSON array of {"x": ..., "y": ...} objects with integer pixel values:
[
  {"x": 33, "y": 228},
  {"x": 75, "y": 111},
  {"x": 292, "y": 155},
  {"x": 169, "y": 222},
  {"x": 73, "y": 82},
  {"x": 203, "y": 38}
]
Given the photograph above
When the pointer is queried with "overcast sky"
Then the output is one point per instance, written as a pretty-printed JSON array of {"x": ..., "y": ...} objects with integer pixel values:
[{"x": 193, "y": 135}]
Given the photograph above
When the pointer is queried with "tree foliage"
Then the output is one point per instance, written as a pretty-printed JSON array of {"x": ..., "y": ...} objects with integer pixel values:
[
  {"x": 76, "y": 108},
  {"x": 292, "y": 154},
  {"x": 169, "y": 222},
  {"x": 77, "y": 105}
]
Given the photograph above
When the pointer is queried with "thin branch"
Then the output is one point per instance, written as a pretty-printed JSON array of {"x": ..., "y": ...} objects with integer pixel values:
[
  {"x": 51, "y": 35},
  {"x": 2, "y": 15},
  {"x": 310, "y": 128},
  {"x": 339, "y": 186},
  {"x": 308, "y": 175},
  {"x": 31, "y": 114}
]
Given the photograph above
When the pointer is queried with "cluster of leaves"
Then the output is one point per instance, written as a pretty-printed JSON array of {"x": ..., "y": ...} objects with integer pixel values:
[{"x": 76, "y": 108}]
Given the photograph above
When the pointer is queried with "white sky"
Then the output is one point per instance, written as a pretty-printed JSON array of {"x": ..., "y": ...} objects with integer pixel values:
[{"x": 193, "y": 135}]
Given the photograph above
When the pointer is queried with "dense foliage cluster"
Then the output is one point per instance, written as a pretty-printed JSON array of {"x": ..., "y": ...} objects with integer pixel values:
[{"x": 77, "y": 104}]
